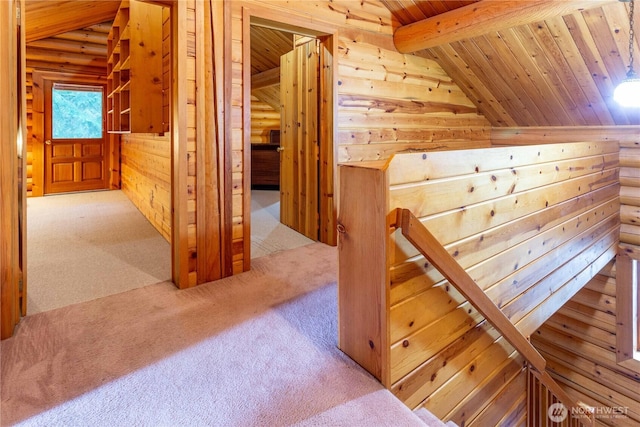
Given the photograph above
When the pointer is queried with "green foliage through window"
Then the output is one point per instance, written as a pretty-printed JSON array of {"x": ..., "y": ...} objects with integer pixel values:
[{"x": 76, "y": 113}]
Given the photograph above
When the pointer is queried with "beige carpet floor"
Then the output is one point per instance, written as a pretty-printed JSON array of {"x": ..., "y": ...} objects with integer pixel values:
[
  {"x": 268, "y": 234},
  {"x": 256, "y": 349},
  {"x": 83, "y": 246}
]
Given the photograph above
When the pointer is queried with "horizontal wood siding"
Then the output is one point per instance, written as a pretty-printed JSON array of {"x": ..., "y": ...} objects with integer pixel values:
[
  {"x": 579, "y": 343},
  {"x": 264, "y": 119},
  {"x": 628, "y": 138},
  {"x": 531, "y": 226},
  {"x": 390, "y": 102},
  {"x": 630, "y": 189},
  {"x": 528, "y": 224},
  {"x": 386, "y": 101},
  {"x": 146, "y": 177}
]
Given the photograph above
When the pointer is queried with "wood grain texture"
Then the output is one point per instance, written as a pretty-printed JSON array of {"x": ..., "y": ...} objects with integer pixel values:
[
  {"x": 529, "y": 246},
  {"x": 135, "y": 69},
  {"x": 299, "y": 170},
  {"x": 480, "y": 18},
  {"x": 558, "y": 69},
  {"x": 362, "y": 286},
  {"x": 427, "y": 244},
  {"x": 576, "y": 342},
  {"x": 10, "y": 214},
  {"x": 146, "y": 177}
]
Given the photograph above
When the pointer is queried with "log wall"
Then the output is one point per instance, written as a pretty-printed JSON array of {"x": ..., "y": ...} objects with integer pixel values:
[
  {"x": 386, "y": 101},
  {"x": 531, "y": 225},
  {"x": 146, "y": 177},
  {"x": 264, "y": 119},
  {"x": 579, "y": 343},
  {"x": 628, "y": 138}
]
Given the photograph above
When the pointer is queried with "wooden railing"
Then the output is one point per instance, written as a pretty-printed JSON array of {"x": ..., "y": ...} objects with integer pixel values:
[
  {"x": 530, "y": 225},
  {"x": 415, "y": 232}
]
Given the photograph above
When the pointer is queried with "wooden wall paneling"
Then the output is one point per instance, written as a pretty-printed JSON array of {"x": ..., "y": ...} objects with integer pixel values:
[
  {"x": 22, "y": 129},
  {"x": 115, "y": 166},
  {"x": 586, "y": 362},
  {"x": 264, "y": 119},
  {"x": 12, "y": 174},
  {"x": 328, "y": 179},
  {"x": 626, "y": 136},
  {"x": 146, "y": 177},
  {"x": 223, "y": 83},
  {"x": 360, "y": 43},
  {"x": 210, "y": 158},
  {"x": 487, "y": 384},
  {"x": 627, "y": 332},
  {"x": 575, "y": 224},
  {"x": 179, "y": 133},
  {"x": 410, "y": 103},
  {"x": 166, "y": 67},
  {"x": 512, "y": 402},
  {"x": 245, "y": 216}
]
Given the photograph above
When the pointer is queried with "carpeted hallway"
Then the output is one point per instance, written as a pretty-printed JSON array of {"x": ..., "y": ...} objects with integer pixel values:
[
  {"x": 83, "y": 246},
  {"x": 256, "y": 349}
]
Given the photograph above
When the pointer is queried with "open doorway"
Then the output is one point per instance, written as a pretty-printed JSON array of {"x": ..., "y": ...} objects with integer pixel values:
[
  {"x": 88, "y": 237},
  {"x": 291, "y": 159}
]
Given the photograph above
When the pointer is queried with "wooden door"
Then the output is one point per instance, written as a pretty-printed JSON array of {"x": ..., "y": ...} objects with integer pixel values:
[
  {"x": 299, "y": 158},
  {"x": 75, "y": 137}
]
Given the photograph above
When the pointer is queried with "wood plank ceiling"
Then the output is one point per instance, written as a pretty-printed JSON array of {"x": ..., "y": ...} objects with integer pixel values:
[
  {"x": 556, "y": 72},
  {"x": 50, "y": 18}
]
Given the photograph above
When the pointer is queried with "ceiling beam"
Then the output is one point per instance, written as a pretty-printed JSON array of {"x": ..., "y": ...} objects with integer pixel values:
[
  {"x": 266, "y": 78},
  {"x": 481, "y": 18}
]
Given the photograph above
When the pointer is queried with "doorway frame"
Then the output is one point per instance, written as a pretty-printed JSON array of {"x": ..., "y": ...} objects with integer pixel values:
[
  {"x": 328, "y": 36},
  {"x": 38, "y": 112}
]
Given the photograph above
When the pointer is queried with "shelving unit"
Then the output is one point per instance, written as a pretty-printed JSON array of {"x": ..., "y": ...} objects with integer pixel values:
[{"x": 134, "y": 69}]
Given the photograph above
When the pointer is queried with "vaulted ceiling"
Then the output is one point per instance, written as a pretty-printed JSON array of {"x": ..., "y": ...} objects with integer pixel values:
[
  {"x": 553, "y": 69},
  {"x": 547, "y": 71}
]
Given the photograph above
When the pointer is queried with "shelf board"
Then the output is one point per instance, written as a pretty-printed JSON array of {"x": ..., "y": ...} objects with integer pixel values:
[
  {"x": 125, "y": 86},
  {"x": 125, "y": 63},
  {"x": 125, "y": 33},
  {"x": 125, "y": 111}
]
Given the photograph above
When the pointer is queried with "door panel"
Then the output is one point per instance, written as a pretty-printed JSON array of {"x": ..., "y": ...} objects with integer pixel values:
[
  {"x": 299, "y": 84},
  {"x": 74, "y": 153}
]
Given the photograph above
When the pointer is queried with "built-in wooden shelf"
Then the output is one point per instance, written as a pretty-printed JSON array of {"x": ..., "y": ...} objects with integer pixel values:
[{"x": 135, "y": 69}]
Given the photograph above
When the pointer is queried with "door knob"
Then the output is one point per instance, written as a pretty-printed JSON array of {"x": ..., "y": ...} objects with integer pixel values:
[
  {"x": 279, "y": 149},
  {"x": 48, "y": 142}
]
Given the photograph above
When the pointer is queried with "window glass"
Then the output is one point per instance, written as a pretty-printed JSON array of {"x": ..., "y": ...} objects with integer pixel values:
[{"x": 76, "y": 112}]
